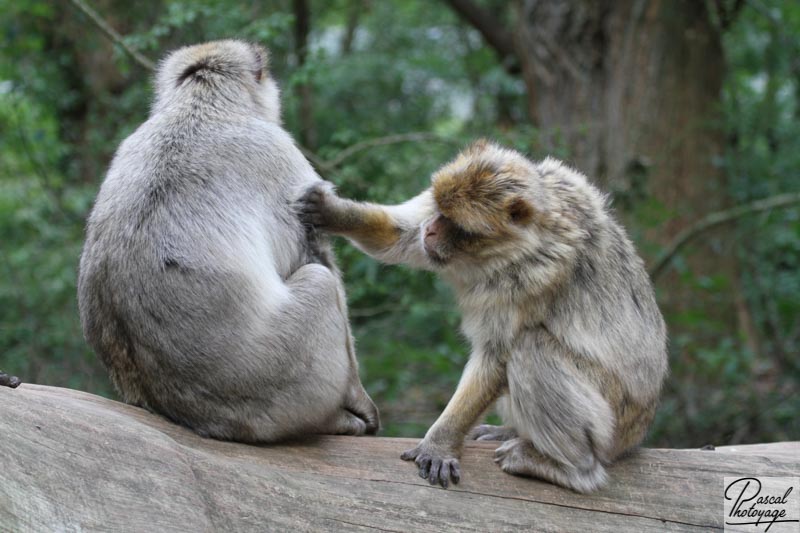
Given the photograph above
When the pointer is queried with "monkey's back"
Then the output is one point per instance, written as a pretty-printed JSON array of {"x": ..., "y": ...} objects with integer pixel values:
[
  {"x": 598, "y": 322},
  {"x": 608, "y": 317},
  {"x": 187, "y": 247}
]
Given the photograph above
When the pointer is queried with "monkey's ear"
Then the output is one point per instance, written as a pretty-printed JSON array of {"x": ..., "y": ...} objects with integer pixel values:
[
  {"x": 519, "y": 211},
  {"x": 262, "y": 60},
  {"x": 479, "y": 146}
]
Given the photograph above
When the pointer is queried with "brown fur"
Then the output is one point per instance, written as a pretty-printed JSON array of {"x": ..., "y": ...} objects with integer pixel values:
[
  {"x": 373, "y": 228},
  {"x": 632, "y": 418},
  {"x": 559, "y": 310},
  {"x": 475, "y": 197}
]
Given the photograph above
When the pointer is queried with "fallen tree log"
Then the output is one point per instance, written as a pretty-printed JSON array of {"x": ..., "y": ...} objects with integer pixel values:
[{"x": 72, "y": 461}]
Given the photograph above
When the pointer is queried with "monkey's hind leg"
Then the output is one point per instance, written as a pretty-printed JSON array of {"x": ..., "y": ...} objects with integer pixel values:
[
  {"x": 520, "y": 457},
  {"x": 347, "y": 422},
  {"x": 565, "y": 424},
  {"x": 358, "y": 404}
]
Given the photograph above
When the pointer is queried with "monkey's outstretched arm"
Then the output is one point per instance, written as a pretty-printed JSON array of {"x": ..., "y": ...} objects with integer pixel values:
[
  {"x": 390, "y": 234},
  {"x": 482, "y": 382}
]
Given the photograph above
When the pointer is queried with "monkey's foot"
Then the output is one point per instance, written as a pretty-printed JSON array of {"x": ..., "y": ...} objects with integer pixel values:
[
  {"x": 519, "y": 457},
  {"x": 436, "y": 464},
  {"x": 487, "y": 432},
  {"x": 347, "y": 423},
  {"x": 361, "y": 405},
  {"x": 9, "y": 381},
  {"x": 516, "y": 456}
]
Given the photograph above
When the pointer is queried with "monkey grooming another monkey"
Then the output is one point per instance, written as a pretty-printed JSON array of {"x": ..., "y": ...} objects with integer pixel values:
[
  {"x": 565, "y": 331},
  {"x": 199, "y": 288}
]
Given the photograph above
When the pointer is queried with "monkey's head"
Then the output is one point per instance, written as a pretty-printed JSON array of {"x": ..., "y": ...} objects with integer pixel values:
[
  {"x": 228, "y": 74},
  {"x": 493, "y": 204}
]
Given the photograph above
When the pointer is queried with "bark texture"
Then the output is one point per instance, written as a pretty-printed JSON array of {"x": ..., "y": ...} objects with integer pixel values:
[
  {"x": 77, "y": 462},
  {"x": 631, "y": 89}
]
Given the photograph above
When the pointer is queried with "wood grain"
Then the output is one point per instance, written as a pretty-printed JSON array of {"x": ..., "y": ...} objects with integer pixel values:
[{"x": 72, "y": 461}]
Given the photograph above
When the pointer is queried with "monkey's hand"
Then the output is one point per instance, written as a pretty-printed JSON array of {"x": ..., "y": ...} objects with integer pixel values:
[
  {"x": 306, "y": 208},
  {"x": 317, "y": 206},
  {"x": 9, "y": 381},
  {"x": 437, "y": 463}
]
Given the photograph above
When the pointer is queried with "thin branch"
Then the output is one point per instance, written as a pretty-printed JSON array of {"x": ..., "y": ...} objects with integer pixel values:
[
  {"x": 316, "y": 160},
  {"x": 492, "y": 30},
  {"x": 354, "y": 13},
  {"x": 322, "y": 165},
  {"x": 715, "y": 219},
  {"x": 369, "y": 312},
  {"x": 766, "y": 13},
  {"x": 382, "y": 141},
  {"x": 727, "y": 14},
  {"x": 112, "y": 34},
  {"x": 787, "y": 38},
  {"x": 304, "y": 90}
]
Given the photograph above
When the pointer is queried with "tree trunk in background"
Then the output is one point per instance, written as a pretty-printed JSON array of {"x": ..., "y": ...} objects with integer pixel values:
[
  {"x": 93, "y": 80},
  {"x": 631, "y": 89}
]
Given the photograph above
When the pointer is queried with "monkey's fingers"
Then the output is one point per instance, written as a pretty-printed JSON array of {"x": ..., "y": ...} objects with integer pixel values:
[
  {"x": 410, "y": 455},
  {"x": 435, "y": 468},
  {"x": 309, "y": 205},
  {"x": 424, "y": 464},
  {"x": 443, "y": 470},
  {"x": 455, "y": 471},
  {"x": 435, "y": 475}
]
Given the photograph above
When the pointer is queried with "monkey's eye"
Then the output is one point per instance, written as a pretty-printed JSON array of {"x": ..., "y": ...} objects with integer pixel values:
[
  {"x": 259, "y": 74},
  {"x": 457, "y": 230},
  {"x": 461, "y": 234}
]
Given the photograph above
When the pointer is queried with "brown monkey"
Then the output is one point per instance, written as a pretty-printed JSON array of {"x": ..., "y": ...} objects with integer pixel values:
[{"x": 561, "y": 315}]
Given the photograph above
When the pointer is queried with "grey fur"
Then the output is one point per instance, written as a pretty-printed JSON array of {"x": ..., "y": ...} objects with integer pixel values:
[
  {"x": 198, "y": 286},
  {"x": 560, "y": 312}
]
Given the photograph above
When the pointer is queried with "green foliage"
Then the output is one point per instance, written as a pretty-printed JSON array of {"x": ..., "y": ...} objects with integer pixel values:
[
  {"x": 68, "y": 97},
  {"x": 744, "y": 386},
  {"x": 40, "y": 221}
]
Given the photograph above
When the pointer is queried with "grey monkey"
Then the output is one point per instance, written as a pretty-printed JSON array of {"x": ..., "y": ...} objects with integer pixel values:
[
  {"x": 199, "y": 288},
  {"x": 565, "y": 331}
]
